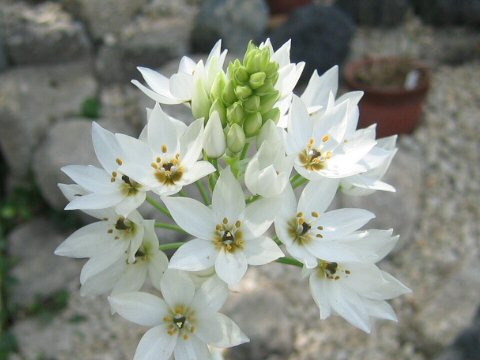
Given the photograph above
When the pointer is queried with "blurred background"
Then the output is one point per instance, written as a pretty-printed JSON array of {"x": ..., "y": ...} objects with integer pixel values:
[{"x": 65, "y": 63}]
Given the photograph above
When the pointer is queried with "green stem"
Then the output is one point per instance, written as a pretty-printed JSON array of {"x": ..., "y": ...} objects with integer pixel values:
[
  {"x": 183, "y": 193},
  {"x": 171, "y": 246},
  {"x": 295, "y": 178},
  {"x": 158, "y": 206},
  {"x": 277, "y": 240},
  {"x": 245, "y": 149},
  {"x": 299, "y": 183},
  {"x": 289, "y": 261},
  {"x": 203, "y": 191},
  {"x": 169, "y": 227}
]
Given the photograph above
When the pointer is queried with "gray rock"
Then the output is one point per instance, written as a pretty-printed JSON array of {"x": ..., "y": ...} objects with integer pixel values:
[
  {"x": 42, "y": 34},
  {"x": 37, "y": 270},
  {"x": 3, "y": 54},
  {"x": 262, "y": 316},
  {"x": 236, "y": 22},
  {"x": 448, "y": 12},
  {"x": 106, "y": 17},
  {"x": 378, "y": 13},
  {"x": 84, "y": 330},
  {"x": 146, "y": 42},
  {"x": 320, "y": 36},
  {"x": 31, "y": 99},
  {"x": 67, "y": 143},
  {"x": 399, "y": 210}
]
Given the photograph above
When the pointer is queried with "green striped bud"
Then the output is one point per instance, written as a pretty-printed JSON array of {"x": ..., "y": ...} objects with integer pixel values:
[
  {"x": 235, "y": 113},
  {"x": 220, "y": 109},
  {"x": 228, "y": 95},
  {"x": 243, "y": 92},
  {"x": 200, "y": 102},
  {"x": 252, "y": 124},
  {"x": 252, "y": 104},
  {"x": 273, "y": 115},
  {"x": 235, "y": 138},
  {"x": 256, "y": 80}
]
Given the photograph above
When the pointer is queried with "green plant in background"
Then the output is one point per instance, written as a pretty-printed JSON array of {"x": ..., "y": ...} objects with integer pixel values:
[{"x": 91, "y": 108}]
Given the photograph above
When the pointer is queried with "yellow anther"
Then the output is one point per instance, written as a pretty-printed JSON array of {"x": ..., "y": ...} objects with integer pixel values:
[
  {"x": 154, "y": 165},
  {"x": 119, "y": 161},
  {"x": 114, "y": 174},
  {"x": 225, "y": 221},
  {"x": 219, "y": 227},
  {"x": 326, "y": 138},
  {"x": 238, "y": 223},
  {"x": 319, "y": 236},
  {"x": 158, "y": 159},
  {"x": 110, "y": 231},
  {"x": 185, "y": 336},
  {"x": 315, "y": 214},
  {"x": 300, "y": 214},
  {"x": 311, "y": 142},
  {"x": 164, "y": 148}
]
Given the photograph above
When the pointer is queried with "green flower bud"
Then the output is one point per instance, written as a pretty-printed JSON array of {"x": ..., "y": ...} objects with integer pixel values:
[
  {"x": 265, "y": 89},
  {"x": 256, "y": 80},
  {"x": 218, "y": 86},
  {"x": 252, "y": 104},
  {"x": 273, "y": 115},
  {"x": 235, "y": 138},
  {"x": 272, "y": 69},
  {"x": 228, "y": 95},
  {"x": 252, "y": 124},
  {"x": 220, "y": 109},
  {"x": 200, "y": 102},
  {"x": 235, "y": 113},
  {"x": 268, "y": 101},
  {"x": 268, "y": 131},
  {"x": 241, "y": 75},
  {"x": 243, "y": 92}
]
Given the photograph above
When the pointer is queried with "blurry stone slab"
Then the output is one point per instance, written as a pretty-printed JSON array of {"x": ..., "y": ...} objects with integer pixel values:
[
  {"x": 3, "y": 54},
  {"x": 67, "y": 143},
  {"x": 42, "y": 34},
  {"x": 37, "y": 270},
  {"x": 399, "y": 210},
  {"x": 146, "y": 42},
  {"x": 236, "y": 22},
  {"x": 31, "y": 99},
  {"x": 448, "y": 12},
  {"x": 320, "y": 36},
  {"x": 260, "y": 311},
  {"x": 85, "y": 330},
  {"x": 377, "y": 13},
  {"x": 460, "y": 289},
  {"x": 105, "y": 17},
  {"x": 467, "y": 343}
]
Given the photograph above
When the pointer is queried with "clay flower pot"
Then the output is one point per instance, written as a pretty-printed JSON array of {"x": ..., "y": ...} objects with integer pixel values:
[
  {"x": 395, "y": 89},
  {"x": 285, "y": 6}
]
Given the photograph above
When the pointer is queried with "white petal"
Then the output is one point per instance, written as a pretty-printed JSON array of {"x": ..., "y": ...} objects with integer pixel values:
[
  {"x": 157, "y": 265},
  {"x": 320, "y": 295},
  {"x": 228, "y": 198},
  {"x": 86, "y": 241},
  {"x": 194, "y": 255},
  {"x": 349, "y": 306},
  {"x": 215, "y": 292},
  {"x": 90, "y": 177},
  {"x": 197, "y": 171},
  {"x": 156, "y": 344},
  {"x": 259, "y": 216},
  {"x": 177, "y": 288},
  {"x": 181, "y": 85},
  {"x": 139, "y": 307},
  {"x": 191, "y": 142},
  {"x": 191, "y": 349},
  {"x": 231, "y": 267},
  {"x": 302, "y": 254},
  {"x": 317, "y": 196},
  {"x": 104, "y": 281},
  {"x": 95, "y": 201},
  {"x": 106, "y": 147},
  {"x": 379, "y": 309},
  {"x": 162, "y": 132},
  {"x": 319, "y": 87},
  {"x": 300, "y": 126},
  {"x": 130, "y": 203},
  {"x": 208, "y": 325},
  {"x": 232, "y": 335},
  {"x": 340, "y": 222},
  {"x": 100, "y": 262},
  {"x": 192, "y": 216},
  {"x": 132, "y": 278},
  {"x": 158, "y": 82},
  {"x": 261, "y": 251}
]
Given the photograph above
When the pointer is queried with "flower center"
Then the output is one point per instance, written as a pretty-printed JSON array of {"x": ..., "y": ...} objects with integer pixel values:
[
  {"x": 332, "y": 271},
  {"x": 168, "y": 171},
  {"x": 229, "y": 236},
  {"x": 122, "y": 228},
  {"x": 130, "y": 187},
  {"x": 302, "y": 231},
  {"x": 315, "y": 158},
  {"x": 182, "y": 321}
]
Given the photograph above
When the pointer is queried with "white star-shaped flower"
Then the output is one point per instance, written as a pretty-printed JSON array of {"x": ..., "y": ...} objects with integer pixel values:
[
  {"x": 168, "y": 160},
  {"x": 107, "y": 187},
  {"x": 357, "y": 290},
  {"x": 310, "y": 233},
  {"x": 184, "y": 322},
  {"x": 229, "y": 235}
]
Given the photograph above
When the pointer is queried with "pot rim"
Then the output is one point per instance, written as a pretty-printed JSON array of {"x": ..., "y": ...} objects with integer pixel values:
[{"x": 351, "y": 69}]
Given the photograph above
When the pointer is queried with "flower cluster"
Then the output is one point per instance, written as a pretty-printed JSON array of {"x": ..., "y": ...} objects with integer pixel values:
[{"x": 249, "y": 133}]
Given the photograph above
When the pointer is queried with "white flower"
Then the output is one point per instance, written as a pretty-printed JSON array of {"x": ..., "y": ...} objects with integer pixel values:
[
  {"x": 168, "y": 160},
  {"x": 229, "y": 235},
  {"x": 183, "y": 323},
  {"x": 268, "y": 172},
  {"x": 357, "y": 290},
  {"x": 104, "y": 242},
  {"x": 377, "y": 161},
  {"x": 214, "y": 141},
  {"x": 182, "y": 86},
  {"x": 106, "y": 187},
  {"x": 318, "y": 142},
  {"x": 310, "y": 233},
  {"x": 125, "y": 275}
]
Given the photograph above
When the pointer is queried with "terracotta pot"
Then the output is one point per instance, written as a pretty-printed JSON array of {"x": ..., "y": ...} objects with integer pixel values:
[
  {"x": 285, "y": 6},
  {"x": 395, "y": 110}
]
